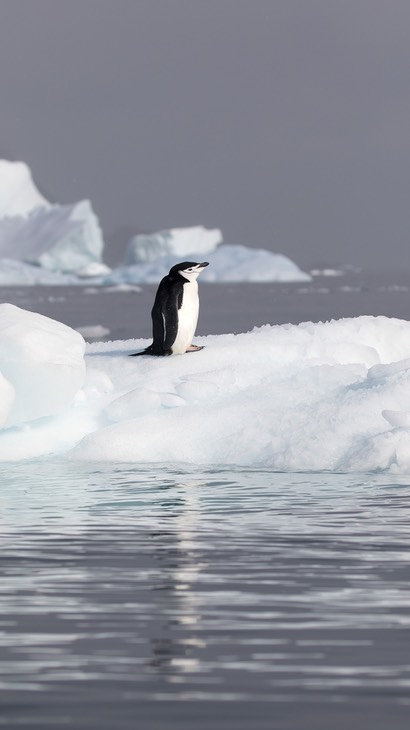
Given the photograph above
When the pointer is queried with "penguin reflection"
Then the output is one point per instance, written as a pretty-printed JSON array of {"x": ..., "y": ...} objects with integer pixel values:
[{"x": 179, "y": 565}]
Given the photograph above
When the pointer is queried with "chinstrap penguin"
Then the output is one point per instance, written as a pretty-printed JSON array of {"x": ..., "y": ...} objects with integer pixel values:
[{"x": 175, "y": 311}]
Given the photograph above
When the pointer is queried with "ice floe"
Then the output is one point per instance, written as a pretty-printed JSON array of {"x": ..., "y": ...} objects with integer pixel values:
[{"x": 314, "y": 396}]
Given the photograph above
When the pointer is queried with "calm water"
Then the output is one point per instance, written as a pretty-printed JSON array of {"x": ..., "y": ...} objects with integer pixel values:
[{"x": 178, "y": 598}]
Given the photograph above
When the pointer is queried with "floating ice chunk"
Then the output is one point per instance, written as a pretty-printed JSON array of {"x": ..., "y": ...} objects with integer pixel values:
[
  {"x": 122, "y": 288},
  {"x": 93, "y": 331},
  {"x": 42, "y": 359},
  {"x": 176, "y": 242},
  {"x": 327, "y": 272}
]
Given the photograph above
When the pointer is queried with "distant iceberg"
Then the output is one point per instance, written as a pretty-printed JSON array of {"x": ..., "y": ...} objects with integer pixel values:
[
  {"x": 176, "y": 242},
  {"x": 58, "y": 238},
  {"x": 227, "y": 263},
  {"x": 240, "y": 263},
  {"x": 18, "y": 193},
  {"x": 18, "y": 273},
  {"x": 43, "y": 243},
  {"x": 331, "y": 396},
  {"x": 149, "y": 258}
]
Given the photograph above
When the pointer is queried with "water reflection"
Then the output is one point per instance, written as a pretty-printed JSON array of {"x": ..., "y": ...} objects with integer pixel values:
[
  {"x": 129, "y": 586},
  {"x": 180, "y": 568}
]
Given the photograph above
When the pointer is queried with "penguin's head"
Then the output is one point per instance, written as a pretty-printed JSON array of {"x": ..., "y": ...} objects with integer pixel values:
[{"x": 190, "y": 270}]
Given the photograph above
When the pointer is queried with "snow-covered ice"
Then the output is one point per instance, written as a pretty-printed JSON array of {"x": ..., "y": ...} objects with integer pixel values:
[
  {"x": 57, "y": 238},
  {"x": 314, "y": 396},
  {"x": 42, "y": 365}
]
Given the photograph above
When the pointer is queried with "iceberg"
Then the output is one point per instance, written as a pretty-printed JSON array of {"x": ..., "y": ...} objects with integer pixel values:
[
  {"x": 18, "y": 193},
  {"x": 179, "y": 243},
  {"x": 149, "y": 258},
  {"x": 57, "y": 238},
  {"x": 241, "y": 263},
  {"x": 19, "y": 273},
  {"x": 229, "y": 263},
  {"x": 309, "y": 397},
  {"x": 50, "y": 244}
]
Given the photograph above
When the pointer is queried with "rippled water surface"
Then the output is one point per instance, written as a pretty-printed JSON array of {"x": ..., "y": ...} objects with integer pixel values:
[{"x": 178, "y": 598}]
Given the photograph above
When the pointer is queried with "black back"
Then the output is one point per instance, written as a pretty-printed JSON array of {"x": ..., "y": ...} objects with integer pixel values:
[{"x": 164, "y": 313}]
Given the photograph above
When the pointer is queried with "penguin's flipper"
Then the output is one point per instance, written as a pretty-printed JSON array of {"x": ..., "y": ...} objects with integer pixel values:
[{"x": 165, "y": 316}]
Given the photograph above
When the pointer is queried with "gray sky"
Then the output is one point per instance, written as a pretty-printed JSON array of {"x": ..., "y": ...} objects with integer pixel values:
[{"x": 284, "y": 122}]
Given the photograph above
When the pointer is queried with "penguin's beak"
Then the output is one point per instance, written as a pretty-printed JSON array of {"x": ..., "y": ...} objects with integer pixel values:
[{"x": 204, "y": 263}]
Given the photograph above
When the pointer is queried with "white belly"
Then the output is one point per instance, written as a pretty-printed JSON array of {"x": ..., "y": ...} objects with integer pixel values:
[{"x": 187, "y": 318}]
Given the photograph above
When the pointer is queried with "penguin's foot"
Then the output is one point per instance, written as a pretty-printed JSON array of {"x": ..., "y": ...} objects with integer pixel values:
[
  {"x": 156, "y": 352},
  {"x": 194, "y": 348}
]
